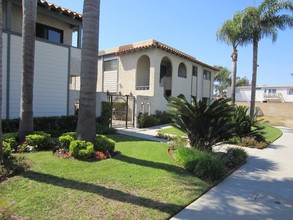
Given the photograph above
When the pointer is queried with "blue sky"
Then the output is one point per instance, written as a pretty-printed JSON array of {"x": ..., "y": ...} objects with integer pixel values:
[{"x": 191, "y": 26}]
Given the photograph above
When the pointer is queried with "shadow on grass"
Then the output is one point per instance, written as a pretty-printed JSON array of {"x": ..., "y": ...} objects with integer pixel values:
[
  {"x": 157, "y": 165},
  {"x": 113, "y": 194}
]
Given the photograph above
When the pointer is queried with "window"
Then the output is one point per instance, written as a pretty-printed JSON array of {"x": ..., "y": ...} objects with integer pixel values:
[
  {"x": 207, "y": 75},
  {"x": 110, "y": 65},
  {"x": 194, "y": 71},
  {"x": 49, "y": 33},
  {"x": 182, "y": 71},
  {"x": 290, "y": 91}
]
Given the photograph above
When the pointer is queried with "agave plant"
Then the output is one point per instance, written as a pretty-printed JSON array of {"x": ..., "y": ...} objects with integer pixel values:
[{"x": 205, "y": 123}]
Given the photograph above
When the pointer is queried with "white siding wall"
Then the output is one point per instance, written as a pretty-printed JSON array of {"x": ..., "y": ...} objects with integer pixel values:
[
  {"x": 50, "y": 82},
  {"x": 50, "y": 79}
]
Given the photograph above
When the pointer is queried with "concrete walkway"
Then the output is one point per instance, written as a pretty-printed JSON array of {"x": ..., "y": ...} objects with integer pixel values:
[
  {"x": 144, "y": 133},
  {"x": 261, "y": 189}
]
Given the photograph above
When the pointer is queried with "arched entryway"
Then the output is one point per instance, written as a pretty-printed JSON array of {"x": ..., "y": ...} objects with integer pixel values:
[{"x": 166, "y": 76}]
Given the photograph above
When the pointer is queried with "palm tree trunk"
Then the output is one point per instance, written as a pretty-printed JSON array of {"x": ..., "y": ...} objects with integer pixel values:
[
  {"x": 86, "y": 125},
  {"x": 254, "y": 75},
  {"x": 234, "y": 57},
  {"x": 29, "y": 10},
  {"x": 1, "y": 137}
]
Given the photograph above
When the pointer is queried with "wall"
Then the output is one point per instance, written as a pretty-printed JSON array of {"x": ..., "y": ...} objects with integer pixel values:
[
  {"x": 16, "y": 22},
  {"x": 50, "y": 79}
]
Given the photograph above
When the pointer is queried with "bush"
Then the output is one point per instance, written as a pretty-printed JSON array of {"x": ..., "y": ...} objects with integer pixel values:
[
  {"x": 10, "y": 138},
  {"x": 104, "y": 144},
  {"x": 253, "y": 143},
  {"x": 7, "y": 150},
  {"x": 65, "y": 141},
  {"x": 12, "y": 166},
  {"x": 145, "y": 120},
  {"x": 205, "y": 123},
  {"x": 101, "y": 129},
  {"x": 106, "y": 114},
  {"x": 205, "y": 165},
  {"x": 39, "y": 139},
  {"x": 71, "y": 134},
  {"x": 81, "y": 149},
  {"x": 235, "y": 157}
]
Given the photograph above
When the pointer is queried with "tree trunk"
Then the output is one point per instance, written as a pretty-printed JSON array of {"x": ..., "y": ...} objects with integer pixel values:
[
  {"x": 1, "y": 137},
  {"x": 234, "y": 57},
  {"x": 29, "y": 10},
  {"x": 254, "y": 75},
  {"x": 86, "y": 125}
]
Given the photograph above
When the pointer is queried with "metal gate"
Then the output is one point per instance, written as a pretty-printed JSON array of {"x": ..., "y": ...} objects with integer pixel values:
[{"x": 123, "y": 111}]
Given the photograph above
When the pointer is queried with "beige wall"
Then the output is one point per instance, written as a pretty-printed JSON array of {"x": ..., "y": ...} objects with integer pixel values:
[{"x": 16, "y": 22}]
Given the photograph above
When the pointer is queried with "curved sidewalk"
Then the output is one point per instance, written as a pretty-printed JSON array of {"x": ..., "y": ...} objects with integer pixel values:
[{"x": 260, "y": 189}]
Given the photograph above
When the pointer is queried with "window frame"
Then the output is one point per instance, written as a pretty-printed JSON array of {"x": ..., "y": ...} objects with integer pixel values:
[{"x": 180, "y": 73}]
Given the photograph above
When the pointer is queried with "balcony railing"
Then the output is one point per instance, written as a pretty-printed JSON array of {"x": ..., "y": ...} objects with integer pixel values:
[
  {"x": 142, "y": 87},
  {"x": 273, "y": 96}
]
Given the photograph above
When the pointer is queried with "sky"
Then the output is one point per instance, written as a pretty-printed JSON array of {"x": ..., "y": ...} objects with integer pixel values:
[{"x": 190, "y": 26}]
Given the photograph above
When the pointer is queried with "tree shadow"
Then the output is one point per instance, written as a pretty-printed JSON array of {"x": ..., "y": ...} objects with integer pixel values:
[
  {"x": 157, "y": 165},
  {"x": 108, "y": 193}
]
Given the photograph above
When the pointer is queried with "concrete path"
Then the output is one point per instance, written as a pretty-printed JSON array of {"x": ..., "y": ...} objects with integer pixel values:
[
  {"x": 261, "y": 189},
  {"x": 144, "y": 133}
]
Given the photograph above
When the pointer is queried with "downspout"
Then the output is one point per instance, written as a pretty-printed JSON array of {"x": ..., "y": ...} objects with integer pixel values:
[{"x": 8, "y": 28}]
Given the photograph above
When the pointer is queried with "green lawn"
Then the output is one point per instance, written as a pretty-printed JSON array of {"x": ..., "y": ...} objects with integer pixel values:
[
  {"x": 173, "y": 130},
  {"x": 270, "y": 133},
  {"x": 141, "y": 182}
]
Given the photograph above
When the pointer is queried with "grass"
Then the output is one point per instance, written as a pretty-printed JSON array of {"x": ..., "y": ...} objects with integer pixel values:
[
  {"x": 140, "y": 182},
  {"x": 173, "y": 130},
  {"x": 271, "y": 134}
]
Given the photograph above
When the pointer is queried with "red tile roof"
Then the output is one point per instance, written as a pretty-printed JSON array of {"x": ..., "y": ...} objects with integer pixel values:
[
  {"x": 156, "y": 44},
  {"x": 60, "y": 9}
]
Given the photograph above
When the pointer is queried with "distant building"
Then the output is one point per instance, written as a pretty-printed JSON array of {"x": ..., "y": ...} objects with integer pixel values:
[{"x": 264, "y": 94}]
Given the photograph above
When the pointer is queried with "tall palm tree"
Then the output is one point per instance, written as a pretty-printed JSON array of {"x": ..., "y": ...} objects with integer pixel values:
[
  {"x": 1, "y": 139},
  {"x": 29, "y": 11},
  {"x": 231, "y": 33},
  {"x": 264, "y": 21},
  {"x": 86, "y": 125}
]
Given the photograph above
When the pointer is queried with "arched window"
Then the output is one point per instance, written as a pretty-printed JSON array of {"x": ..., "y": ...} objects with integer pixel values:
[
  {"x": 143, "y": 73},
  {"x": 182, "y": 70}
]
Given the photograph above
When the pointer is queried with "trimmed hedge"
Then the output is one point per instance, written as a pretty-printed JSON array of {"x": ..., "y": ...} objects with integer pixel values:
[
  {"x": 81, "y": 149},
  {"x": 104, "y": 144}
]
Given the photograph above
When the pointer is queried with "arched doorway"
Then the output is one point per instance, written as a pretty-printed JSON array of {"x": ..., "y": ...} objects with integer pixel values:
[{"x": 166, "y": 76}]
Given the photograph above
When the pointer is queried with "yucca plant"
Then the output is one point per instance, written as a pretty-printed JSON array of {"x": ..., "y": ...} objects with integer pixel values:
[{"x": 205, "y": 123}]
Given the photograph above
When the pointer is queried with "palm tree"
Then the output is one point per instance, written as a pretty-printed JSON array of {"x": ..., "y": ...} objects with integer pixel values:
[
  {"x": 86, "y": 125},
  {"x": 264, "y": 21},
  {"x": 231, "y": 33},
  {"x": 222, "y": 80},
  {"x": 1, "y": 138},
  {"x": 204, "y": 123},
  {"x": 29, "y": 10}
]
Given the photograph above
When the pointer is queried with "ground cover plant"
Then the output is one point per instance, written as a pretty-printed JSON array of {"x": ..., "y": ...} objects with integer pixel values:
[{"x": 140, "y": 182}]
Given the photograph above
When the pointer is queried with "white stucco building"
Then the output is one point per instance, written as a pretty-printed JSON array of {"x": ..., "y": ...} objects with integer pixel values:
[
  {"x": 151, "y": 72},
  {"x": 265, "y": 94}
]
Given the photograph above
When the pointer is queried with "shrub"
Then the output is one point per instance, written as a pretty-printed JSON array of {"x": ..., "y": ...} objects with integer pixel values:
[
  {"x": 65, "y": 141},
  {"x": 177, "y": 142},
  {"x": 204, "y": 122},
  {"x": 10, "y": 138},
  {"x": 71, "y": 134},
  {"x": 13, "y": 166},
  {"x": 7, "y": 150},
  {"x": 235, "y": 156},
  {"x": 39, "y": 139},
  {"x": 104, "y": 144},
  {"x": 253, "y": 142},
  {"x": 205, "y": 165},
  {"x": 163, "y": 117},
  {"x": 81, "y": 149},
  {"x": 101, "y": 129},
  {"x": 106, "y": 114}
]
